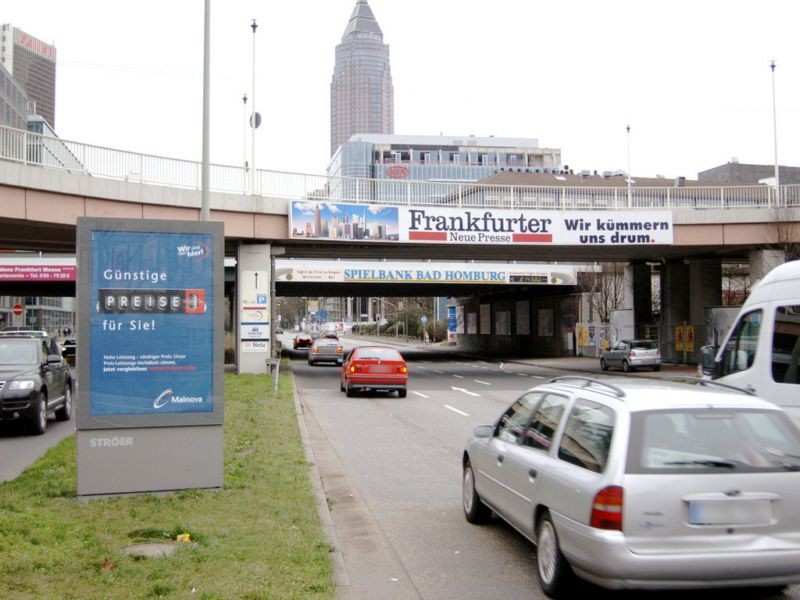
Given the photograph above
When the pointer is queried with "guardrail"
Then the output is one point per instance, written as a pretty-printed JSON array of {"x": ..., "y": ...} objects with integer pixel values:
[{"x": 29, "y": 148}]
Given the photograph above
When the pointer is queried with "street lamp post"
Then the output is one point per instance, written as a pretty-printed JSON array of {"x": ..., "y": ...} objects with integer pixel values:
[
  {"x": 628, "y": 129},
  {"x": 255, "y": 118},
  {"x": 775, "y": 134}
]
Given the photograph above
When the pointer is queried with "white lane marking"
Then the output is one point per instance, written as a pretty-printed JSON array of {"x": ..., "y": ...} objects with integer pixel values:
[
  {"x": 463, "y": 390},
  {"x": 521, "y": 374},
  {"x": 481, "y": 382},
  {"x": 538, "y": 376},
  {"x": 455, "y": 410},
  {"x": 457, "y": 375},
  {"x": 437, "y": 371},
  {"x": 421, "y": 395}
]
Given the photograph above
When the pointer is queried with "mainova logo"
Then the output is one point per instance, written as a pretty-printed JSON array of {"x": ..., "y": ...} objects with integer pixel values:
[
  {"x": 199, "y": 250},
  {"x": 168, "y": 397}
]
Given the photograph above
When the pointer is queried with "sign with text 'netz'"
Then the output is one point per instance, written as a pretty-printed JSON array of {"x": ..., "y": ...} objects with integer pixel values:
[{"x": 150, "y": 301}]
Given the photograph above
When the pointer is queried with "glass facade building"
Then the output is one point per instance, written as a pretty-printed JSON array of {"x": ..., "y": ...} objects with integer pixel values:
[
  {"x": 441, "y": 159},
  {"x": 362, "y": 96}
]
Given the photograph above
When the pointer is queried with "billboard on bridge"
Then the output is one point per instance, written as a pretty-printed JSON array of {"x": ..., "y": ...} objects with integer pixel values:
[
  {"x": 318, "y": 271},
  {"x": 471, "y": 225}
]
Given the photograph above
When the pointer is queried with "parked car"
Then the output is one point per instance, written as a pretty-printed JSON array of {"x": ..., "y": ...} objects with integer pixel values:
[
  {"x": 302, "y": 340},
  {"x": 643, "y": 484},
  {"x": 34, "y": 381},
  {"x": 375, "y": 368},
  {"x": 330, "y": 335},
  {"x": 629, "y": 355},
  {"x": 325, "y": 350}
]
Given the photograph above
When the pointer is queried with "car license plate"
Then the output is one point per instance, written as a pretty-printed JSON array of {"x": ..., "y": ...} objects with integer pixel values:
[
  {"x": 380, "y": 369},
  {"x": 730, "y": 512}
]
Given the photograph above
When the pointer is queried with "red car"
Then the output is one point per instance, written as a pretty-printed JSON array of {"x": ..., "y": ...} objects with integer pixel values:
[{"x": 375, "y": 368}]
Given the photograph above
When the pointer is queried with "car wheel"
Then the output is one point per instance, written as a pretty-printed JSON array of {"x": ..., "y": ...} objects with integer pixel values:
[
  {"x": 349, "y": 392},
  {"x": 401, "y": 393},
  {"x": 552, "y": 569},
  {"x": 475, "y": 511},
  {"x": 39, "y": 422},
  {"x": 341, "y": 385},
  {"x": 65, "y": 412},
  {"x": 626, "y": 366},
  {"x": 603, "y": 364},
  {"x": 656, "y": 367}
]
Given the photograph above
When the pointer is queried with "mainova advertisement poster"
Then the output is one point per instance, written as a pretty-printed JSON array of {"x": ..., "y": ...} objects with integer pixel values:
[{"x": 151, "y": 323}]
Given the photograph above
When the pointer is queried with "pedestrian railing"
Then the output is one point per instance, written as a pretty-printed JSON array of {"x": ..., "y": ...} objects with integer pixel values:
[{"x": 29, "y": 148}]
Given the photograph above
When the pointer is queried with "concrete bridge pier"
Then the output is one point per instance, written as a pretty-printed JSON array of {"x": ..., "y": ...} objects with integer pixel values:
[
  {"x": 763, "y": 261},
  {"x": 638, "y": 295},
  {"x": 687, "y": 288}
]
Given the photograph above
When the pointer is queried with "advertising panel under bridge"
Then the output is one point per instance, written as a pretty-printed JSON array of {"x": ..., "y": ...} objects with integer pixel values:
[{"x": 454, "y": 225}]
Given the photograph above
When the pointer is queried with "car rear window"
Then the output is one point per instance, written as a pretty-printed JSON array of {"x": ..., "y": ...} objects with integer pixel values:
[
  {"x": 378, "y": 354},
  {"x": 712, "y": 441},
  {"x": 644, "y": 345}
]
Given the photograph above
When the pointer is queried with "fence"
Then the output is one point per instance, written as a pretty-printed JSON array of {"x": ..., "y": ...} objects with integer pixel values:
[{"x": 29, "y": 148}]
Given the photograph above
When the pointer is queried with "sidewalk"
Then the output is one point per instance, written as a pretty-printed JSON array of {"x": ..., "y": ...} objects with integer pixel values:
[{"x": 582, "y": 364}]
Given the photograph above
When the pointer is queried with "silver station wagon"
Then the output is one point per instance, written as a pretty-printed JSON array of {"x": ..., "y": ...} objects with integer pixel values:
[{"x": 643, "y": 484}]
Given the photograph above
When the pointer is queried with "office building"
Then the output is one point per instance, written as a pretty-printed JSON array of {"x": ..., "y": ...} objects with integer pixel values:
[
  {"x": 465, "y": 159},
  {"x": 32, "y": 64},
  {"x": 13, "y": 102},
  {"x": 362, "y": 96},
  {"x": 736, "y": 173}
]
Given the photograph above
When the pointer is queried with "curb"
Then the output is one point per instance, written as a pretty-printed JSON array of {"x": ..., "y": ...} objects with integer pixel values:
[{"x": 341, "y": 578}]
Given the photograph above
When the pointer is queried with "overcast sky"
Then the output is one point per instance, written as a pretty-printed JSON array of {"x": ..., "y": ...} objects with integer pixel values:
[{"x": 692, "y": 78}]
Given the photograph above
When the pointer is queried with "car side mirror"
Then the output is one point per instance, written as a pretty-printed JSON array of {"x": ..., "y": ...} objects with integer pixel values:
[
  {"x": 483, "y": 431},
  {"x": 708, "y": 364}
]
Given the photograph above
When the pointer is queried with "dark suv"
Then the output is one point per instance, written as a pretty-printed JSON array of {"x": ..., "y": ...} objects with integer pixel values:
[{"x": 35, "y": 381}]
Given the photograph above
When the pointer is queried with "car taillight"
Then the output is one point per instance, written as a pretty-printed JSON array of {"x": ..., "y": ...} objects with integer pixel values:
[
  {"x": 607, "y": 509},
  {"x": 339, "y": 350},
  {"x": 403, "y": 369},
  {"x": 632, "y": 353},
  {"x": 352, "y": 368},
  {"x": 658, "y": 351}
]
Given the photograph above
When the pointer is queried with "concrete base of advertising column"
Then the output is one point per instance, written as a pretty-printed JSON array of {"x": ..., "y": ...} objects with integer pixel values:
[{"x": 159, "y": 459}]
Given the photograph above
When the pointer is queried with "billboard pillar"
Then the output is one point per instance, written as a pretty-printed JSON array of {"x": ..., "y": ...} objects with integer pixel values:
[
  {"x": 150, "y": 356},
  {"x": 254, "y": 287}
]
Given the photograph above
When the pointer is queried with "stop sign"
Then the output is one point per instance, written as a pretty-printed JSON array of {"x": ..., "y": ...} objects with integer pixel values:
[{"x": 18, "y": 309}]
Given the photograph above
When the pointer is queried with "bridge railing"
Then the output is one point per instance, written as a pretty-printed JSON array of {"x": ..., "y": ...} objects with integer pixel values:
[{"x": 97, "y": 161}]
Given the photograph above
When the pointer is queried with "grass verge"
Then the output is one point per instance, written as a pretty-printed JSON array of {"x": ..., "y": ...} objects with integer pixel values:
[{"x": 257, "y": 538}]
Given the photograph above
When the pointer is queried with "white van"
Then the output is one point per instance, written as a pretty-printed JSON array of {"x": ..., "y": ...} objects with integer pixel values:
[{"x": 762, "y": 349}]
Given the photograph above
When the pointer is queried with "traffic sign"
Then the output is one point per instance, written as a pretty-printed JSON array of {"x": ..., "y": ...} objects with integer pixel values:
[{"x": 18, "y": 309}]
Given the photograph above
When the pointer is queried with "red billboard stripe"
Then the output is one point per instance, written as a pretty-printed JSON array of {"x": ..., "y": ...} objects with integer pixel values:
[
  {"x": 428, "y": 235},
  {"x": 532, "y": 237}
]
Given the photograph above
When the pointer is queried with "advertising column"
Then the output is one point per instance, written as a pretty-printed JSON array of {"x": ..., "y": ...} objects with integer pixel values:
[{"x": 150, "y": 352}]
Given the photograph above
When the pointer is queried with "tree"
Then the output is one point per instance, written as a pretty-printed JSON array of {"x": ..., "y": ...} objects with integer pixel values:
[{"x": 605, "y": 289}]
